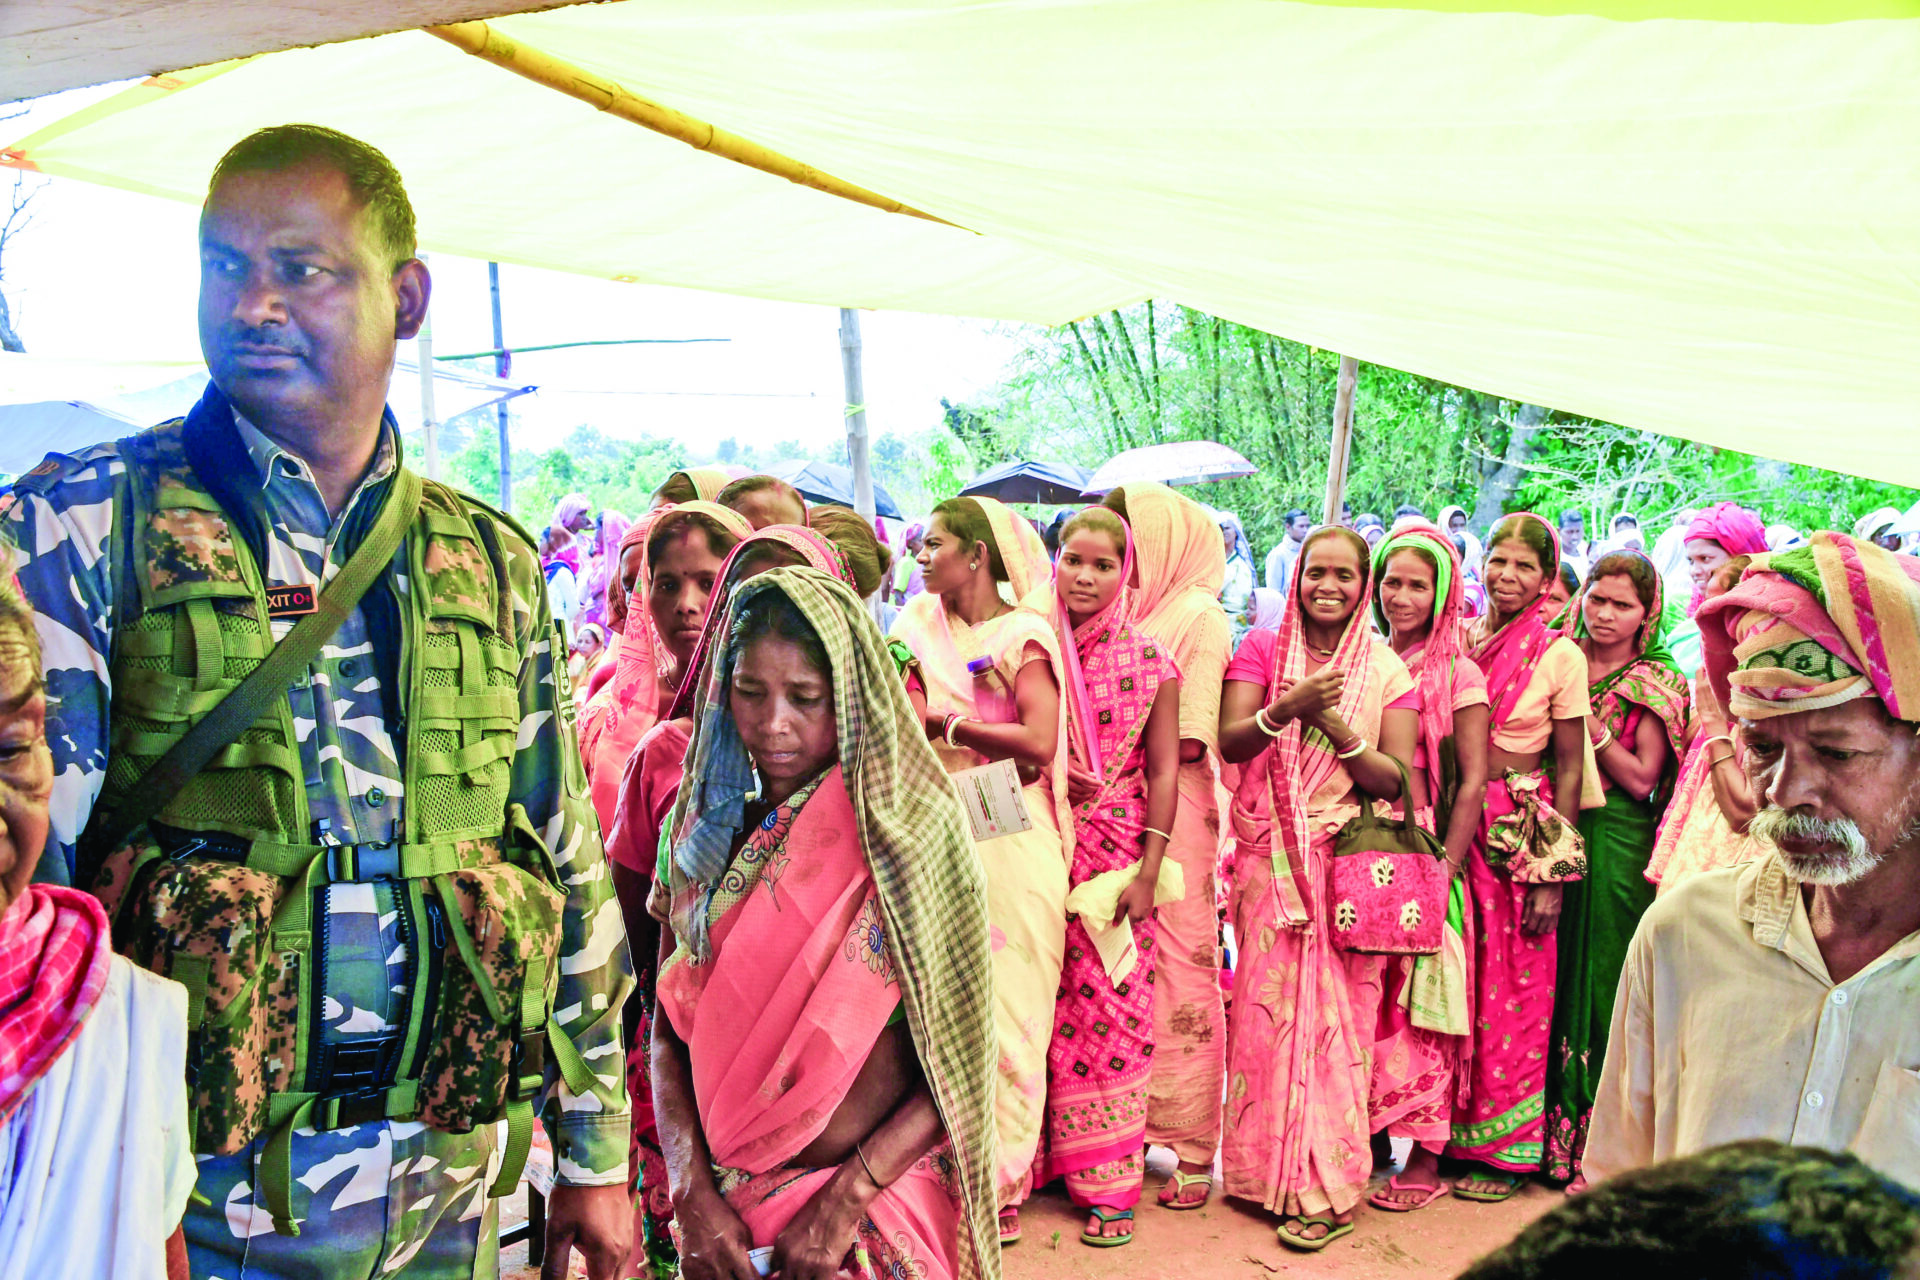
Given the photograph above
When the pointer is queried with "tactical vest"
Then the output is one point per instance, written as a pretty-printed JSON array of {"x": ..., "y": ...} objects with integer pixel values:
[{"x": 222, "y": 891}]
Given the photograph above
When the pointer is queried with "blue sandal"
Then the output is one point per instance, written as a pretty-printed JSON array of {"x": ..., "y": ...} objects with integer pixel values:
[{"x": 1107, "y": 1216}]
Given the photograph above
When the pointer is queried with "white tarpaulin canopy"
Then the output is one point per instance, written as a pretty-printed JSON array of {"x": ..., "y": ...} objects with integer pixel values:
[{"x": 1698, "y": 217}]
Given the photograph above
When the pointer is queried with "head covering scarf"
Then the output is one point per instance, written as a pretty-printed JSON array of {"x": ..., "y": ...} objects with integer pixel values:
[
  {"x": 1182, "y": 567},
  {"x": 707, "y": 482},
  {"x": 926, "y": 874},
  {"x": 1509, "y": 655},
  {"x": 1022, "y": 552},
  {"x": 1737, "y": 531},
  {"x": 603, "y": 568},
  {"x": 1298, "y": 762},
  {"x": 814, "y": 548},
  {"x": 1651, "y": 679},
  {"x": 1815, "y": 627},
  {"x": 1436, "y": 663},
  {"x": 1267, "y": 606},
  {"x": 55, "y": 949}
]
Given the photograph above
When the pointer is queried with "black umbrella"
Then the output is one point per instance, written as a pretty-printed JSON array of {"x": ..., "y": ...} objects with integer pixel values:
[
  {"x": 1030, "y": 482},
  {"x": 832, "y": 484}
]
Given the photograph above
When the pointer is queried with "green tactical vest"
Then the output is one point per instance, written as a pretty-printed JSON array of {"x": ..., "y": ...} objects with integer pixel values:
[{"x": 220, "y": 891}]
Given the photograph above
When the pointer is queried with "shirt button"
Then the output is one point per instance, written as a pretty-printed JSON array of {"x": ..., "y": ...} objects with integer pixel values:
[
  {"x": 350, "y": 668},
  {"x": 376, "y": 797},
  {"x": 1816, "y": 1100},
  {"x": 1840, "y": 997}
]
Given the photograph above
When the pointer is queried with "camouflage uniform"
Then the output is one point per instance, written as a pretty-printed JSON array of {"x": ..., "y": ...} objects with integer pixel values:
[{"x": 376, "y": 1197}]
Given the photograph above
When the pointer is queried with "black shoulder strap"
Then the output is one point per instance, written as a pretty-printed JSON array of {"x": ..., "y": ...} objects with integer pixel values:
[{"x": 107, "y": 831}]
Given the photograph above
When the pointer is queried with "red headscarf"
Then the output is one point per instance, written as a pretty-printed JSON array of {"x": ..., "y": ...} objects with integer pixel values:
[{"x": 1734, "y": 529}]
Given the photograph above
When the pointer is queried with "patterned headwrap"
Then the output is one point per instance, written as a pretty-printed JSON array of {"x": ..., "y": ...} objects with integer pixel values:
[
  {"x": 812, "y": 547},
  {"x": 1817, "y": 626},
  {"x": 1731, "y": 527},
  {"x": 926, "y": 875},
  {"x": 1439, "y": 654}
]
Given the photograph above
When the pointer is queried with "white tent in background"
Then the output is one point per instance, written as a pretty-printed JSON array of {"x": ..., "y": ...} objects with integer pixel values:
[{"x": 1699, "y": 217}]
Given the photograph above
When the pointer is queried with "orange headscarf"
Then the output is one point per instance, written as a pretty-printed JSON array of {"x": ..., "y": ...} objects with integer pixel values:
[{"x": 1182, "y": 565}]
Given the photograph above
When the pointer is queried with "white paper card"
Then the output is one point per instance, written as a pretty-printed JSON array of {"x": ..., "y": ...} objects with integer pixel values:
[
  {"x": 995, "y": 804},
  {"x": 1118, "y": 954}
]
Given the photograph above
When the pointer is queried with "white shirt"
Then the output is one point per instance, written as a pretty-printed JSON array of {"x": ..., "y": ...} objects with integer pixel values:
[
  {"x": 96, "y": 1163},
  {"x": 1727, "y": 1027}
]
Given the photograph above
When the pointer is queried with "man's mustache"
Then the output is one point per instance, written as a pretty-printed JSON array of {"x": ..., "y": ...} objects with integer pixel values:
[{"x": 276, "y": 338}]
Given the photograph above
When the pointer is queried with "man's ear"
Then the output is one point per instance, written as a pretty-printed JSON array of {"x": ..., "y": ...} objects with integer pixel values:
[{"x": 412, "y": 290}]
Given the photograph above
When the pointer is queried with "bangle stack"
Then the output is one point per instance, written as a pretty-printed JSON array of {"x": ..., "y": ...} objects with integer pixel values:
[
  {"x": 1354, "y": 748},
  {"x": 1604, "y": 741},
  {"x": 1260, "y": 723},
  {"x": 953, "y": 722}
]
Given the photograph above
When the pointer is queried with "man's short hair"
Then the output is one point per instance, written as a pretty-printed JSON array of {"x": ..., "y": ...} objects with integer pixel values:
[
  {"x": 1568, "y": 517},
  {"x": 370, "y": 176},
  {"x": 1406, "y": 509},
  {"x": 1295, "y": 514},
  {"x": 1758, "y": 1208}
]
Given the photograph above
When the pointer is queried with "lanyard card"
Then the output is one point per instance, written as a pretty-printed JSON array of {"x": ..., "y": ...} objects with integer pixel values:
[{"x": 992, "y": 796}]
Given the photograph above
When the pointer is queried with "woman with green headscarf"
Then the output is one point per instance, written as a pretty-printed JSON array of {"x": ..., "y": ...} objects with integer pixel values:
[{"x": 1638, "y": 729}]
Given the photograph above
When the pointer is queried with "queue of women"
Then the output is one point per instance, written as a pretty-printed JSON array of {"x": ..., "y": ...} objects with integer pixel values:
[{"x": 870, "y": 1026}]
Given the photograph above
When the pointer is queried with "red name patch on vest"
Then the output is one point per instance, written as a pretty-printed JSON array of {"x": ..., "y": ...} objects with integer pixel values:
[{"x": 290, "y": 602}]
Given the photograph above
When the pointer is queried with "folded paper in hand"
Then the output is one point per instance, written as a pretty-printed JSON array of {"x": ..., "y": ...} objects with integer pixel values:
[
  {"x": 1097, "y": 898},
  {"x": 994, "y": 801}
]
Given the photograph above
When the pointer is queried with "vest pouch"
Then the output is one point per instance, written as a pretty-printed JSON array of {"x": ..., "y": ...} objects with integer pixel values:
[
  {"x": 501, "y": 923},
  {"x": 207, "y": 923}
]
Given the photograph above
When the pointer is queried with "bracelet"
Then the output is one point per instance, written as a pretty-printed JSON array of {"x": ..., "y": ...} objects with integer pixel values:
[
  {"x": 954, "y": 720},
  {"x": 1359, "y": 745},
  {"x": 1718, "y": 737},
  {"x": 1155, "y": 831},
  {"x": 1260, "y": 722},
  {"x": 1714, "y": 762},
  {"x": 867, "y": 1168},
  {"x": 1604, "y": 741}
]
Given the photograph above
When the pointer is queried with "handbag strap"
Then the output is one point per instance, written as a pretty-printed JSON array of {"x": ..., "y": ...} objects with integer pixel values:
[
  {"x": 1368, "y": 818},
  {"x": 236, "y": 712}
]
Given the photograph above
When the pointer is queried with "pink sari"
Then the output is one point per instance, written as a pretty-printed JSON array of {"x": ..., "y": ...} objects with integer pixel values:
[
  {"x": 1414, "y": 1067},
  {"x": 778, "y": 1025},
  {"x": 1501, "y": 1105},
  {"x": 628, "y": 705},
  {"x": 1101, "y": 1054},
  {"x": 1300, "y": 1032}
]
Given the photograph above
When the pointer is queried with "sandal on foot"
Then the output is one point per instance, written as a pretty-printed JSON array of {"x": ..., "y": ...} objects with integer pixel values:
[
  {"x": 1105, "y": 1217},
  {"x": 1176, "y": 1187},
  {"x": 1009, "y": 1226},
  {"x": 1306, "y": 1245},
  {"x": 1428, "y": 1195},
  {"x": 1510, "y": 1181}
]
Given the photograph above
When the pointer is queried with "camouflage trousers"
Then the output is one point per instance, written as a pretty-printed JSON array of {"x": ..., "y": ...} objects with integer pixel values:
[{"x": 393, "y": 1198}]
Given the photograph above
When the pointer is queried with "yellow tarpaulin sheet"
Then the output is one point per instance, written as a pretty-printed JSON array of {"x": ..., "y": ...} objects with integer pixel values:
[{"x": 1653, "y": 213}]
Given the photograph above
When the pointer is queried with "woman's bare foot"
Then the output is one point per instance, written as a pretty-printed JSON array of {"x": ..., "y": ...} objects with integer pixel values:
[
  {"x": 1422, "y": 1171},
  {"x": 1189, "y": 1186}
]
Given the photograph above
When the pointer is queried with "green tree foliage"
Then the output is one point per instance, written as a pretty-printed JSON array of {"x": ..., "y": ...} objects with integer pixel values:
[
  {"x": 616, "y": 474},
  {"x": 1155, "y": 373}
]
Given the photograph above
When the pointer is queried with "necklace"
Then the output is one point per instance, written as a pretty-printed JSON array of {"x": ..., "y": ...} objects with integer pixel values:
[{"x": 1318, "y": 651}]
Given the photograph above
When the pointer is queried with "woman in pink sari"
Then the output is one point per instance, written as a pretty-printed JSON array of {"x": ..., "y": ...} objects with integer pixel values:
[
  {"x": 994, "y": 671},
  {"x": 685, "y": 545},
  {"x": 1706, "y": 822},
  {"x": 1180, "y": 566},
  {"x": 825, "y": 1098},
  {"x": 1123, "y": 735},
  {"x": 1537, "y": 685},
  {"x": 648, "y": 789},
  {"x": 1421, "y": 1043},
  {"x": 601, "y": 569},
  {"x": 1319, "y": 713}
]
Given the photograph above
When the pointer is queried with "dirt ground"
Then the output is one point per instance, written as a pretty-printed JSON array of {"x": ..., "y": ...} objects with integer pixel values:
[{"x": 1230, "y": 1240}]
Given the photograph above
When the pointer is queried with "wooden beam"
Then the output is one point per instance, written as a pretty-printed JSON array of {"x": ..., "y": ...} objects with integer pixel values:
[
  {"x": 484, "y": 42},
  {"x": 1342, "y": 437}
]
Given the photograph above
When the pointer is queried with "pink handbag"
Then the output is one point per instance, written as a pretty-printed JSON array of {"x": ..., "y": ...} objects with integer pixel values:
[{"x": 1389, "y": 884}]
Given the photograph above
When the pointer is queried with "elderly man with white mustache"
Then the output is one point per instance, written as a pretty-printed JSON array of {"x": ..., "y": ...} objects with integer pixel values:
[{"x": 1781, "y": 998}]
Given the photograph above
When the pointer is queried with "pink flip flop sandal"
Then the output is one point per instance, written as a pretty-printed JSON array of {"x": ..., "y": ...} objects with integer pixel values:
[{"x": 1379, "y": 1198}]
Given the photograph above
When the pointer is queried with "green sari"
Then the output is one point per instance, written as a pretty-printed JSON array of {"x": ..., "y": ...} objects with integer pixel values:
[{"x": 1599, "y": 914}]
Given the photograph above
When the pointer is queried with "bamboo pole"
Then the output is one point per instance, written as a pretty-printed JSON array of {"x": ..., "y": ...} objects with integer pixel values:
[
  {"x": 1342, "y": 436},
  {"x": 858, "y": 458},
  {"x": 484, "y": 42}
]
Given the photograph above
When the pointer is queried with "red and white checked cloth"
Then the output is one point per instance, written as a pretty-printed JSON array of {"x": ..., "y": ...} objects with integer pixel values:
[{"x": 55, "y": 947}]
